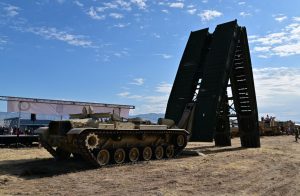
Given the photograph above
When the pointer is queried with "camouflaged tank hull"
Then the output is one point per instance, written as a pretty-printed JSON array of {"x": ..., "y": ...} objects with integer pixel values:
[{"x": 107, "y": 143}]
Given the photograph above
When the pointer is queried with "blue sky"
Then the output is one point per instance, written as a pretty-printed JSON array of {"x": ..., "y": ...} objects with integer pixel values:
[{"x": 127, "y": 52}]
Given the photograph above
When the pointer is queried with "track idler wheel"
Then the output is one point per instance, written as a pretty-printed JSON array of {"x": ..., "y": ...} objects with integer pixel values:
[
  {"x": 134, "y": 154},
  {"x": 91, "y": 141},
  {"x": 103, "y": 157},
  {"x": 119, "y": 156},
  {"x": 159, "y": 152},
  {"x": 147, "y": 153},
  {"x": 170, "y": 151},
  {"x": 180, "y": 140}
]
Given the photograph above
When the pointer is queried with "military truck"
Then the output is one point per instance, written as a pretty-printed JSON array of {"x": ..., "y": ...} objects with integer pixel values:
[
  {"x": 269, "y": 126},
  {"x": 104, "y": 138}
]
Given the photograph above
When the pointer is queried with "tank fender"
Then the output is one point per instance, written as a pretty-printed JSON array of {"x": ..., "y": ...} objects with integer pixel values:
[
  {"x": 77, "y": 131},
  {"x": 181, "y": 130},
  {"x": 43, "y": 132}
]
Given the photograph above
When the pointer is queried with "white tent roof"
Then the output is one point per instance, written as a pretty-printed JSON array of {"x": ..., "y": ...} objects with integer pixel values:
[{"x": 60, "y": 107}]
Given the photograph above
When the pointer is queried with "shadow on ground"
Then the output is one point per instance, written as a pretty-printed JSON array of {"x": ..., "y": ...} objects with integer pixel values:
[
  {"x": 196, "y": 151},
  {"x": 41, "y": 168}
]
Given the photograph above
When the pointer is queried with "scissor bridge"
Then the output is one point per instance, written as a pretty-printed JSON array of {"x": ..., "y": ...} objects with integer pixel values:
[{"x": 212, "y": 63}]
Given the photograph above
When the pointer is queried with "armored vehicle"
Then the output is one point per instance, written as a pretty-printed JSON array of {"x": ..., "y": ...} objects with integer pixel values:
[
  {"x": 269, "y": 127},
  {"x": 198, "y": 102},
  {"x": 103, "y": 138}
]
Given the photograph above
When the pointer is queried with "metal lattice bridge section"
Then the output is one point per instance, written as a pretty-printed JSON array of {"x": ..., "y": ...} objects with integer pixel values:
[{"x": 199, "y": 102}]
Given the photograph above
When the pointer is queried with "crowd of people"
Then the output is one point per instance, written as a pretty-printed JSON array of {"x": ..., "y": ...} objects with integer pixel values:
[
  {"x": 4, "y": 130},
  {"x": 15, "y": 131},
  {"x": 268, "y": 118}
]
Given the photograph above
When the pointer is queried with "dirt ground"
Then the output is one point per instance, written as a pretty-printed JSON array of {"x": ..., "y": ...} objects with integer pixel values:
[{"x": 273, "y": 169}]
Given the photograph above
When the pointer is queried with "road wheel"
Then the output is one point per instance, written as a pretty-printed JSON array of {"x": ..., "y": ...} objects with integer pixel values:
[
  {"x": 170, "y": 151},
  {"x": 134, "y": 154},
  {"x": 147, "y": 153},
  {"x": 159, "y": 152},
  {"x": 103, "y": 157},
  {"x": 119, "y": 155}
]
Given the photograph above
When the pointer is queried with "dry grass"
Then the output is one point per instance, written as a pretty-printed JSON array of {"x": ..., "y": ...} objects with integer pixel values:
[{"x": 273, "y": 169}]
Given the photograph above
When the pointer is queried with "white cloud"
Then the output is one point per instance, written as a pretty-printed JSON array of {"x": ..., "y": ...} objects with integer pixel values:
[
  {"x": 134, "y": 97},
  {"x": 60, "y": 1},
  {"x": 263, "y": 56},
  {"x": 161, "y": 3},
  {"x": 11, "y": 10},
  {"x": 116, "y": 15},
  {"x": 150, "y": 103},
  {"x": 261, "y": 49},
  {"x": 281, "y": 18},
  {"x": 270, "y": 39},
  {"x": 156, "y": 35},
  {"x": 124, "y": 94},
  {"x": 177, "y": 5},
  {"x": 204, "y": 1},
  {"x": 164, "y": 88},
  {"x": 122, "y": 25},
  {"x": 55, "y": 34},
  {"x": 3, "y": 42},
  {"x": 121, "y": 53},
  {"x": 110, "y": 5},
  {"x": 297, "y": 19},
  {"x": 286, "y": 42},
  {"x": 128, "y": 95},
  {"x": 272, "y": 81},
  {"x": 157, "y": 99},
  {"x": 287, "y": 50},
  {"x": 78, "y": 3},
  {"x": 278, "y": 90},
  {"x": 97, "y": 12},
  {"x": 192, "y": 11},
  {"x": 138, "y": 81},
  {"x": 117, "y": 54},
  {"x": 101, "y": 9},
  {"x": 244, "y": 14},
  {"x": 140, "y": 3},
  {"x": 207, "y": 15},
  {"x": 252, "y": 37},
  {"x": 124, "y": 5},
  {"x": 165, "y": 11},
  {"x": 242, "y": 3},
  {"x": 165, "y": 56},
  {"x": 94, "y": 15}
]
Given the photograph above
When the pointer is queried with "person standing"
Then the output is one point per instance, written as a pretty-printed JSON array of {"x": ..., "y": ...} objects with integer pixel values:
[
  {"x": 18, "y": 135},
  {"x": 296, "y": 130}
]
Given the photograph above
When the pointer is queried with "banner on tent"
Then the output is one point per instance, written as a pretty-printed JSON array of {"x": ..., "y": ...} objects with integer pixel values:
[{"x": 60, "y": 109}]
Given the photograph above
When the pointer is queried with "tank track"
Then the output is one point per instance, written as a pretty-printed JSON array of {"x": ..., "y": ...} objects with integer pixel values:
[
  {"x": 84, "y": 152},
  {"x": 89, "y": 155},
  {"x": 49, "y": 148}
]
